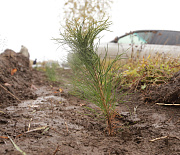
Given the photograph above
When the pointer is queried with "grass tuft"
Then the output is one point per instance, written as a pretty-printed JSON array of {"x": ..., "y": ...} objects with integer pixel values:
[{"x": 138, "y": 74}]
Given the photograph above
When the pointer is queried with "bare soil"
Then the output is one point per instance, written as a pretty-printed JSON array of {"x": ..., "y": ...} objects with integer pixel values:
[{"x": 42, "y": 119}]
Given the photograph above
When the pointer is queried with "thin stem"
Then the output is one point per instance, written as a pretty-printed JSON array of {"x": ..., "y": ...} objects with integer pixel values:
[{"x": 107, "y": 110}]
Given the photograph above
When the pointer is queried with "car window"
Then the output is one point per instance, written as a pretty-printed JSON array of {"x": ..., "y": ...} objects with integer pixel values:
[
  {"x": 137, "y": 39},
  {"x": 166, "y": 38},
  {"x": 131, "y": 39},
  {"x": 161, "y": 37},
  {"x": 146, "y": 36},
  {"x": 156, "y": 37},
  {"x": 125, "y": 40}
]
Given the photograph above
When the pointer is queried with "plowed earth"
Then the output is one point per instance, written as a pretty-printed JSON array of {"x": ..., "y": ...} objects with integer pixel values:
[{"x": 41, "y": 119}]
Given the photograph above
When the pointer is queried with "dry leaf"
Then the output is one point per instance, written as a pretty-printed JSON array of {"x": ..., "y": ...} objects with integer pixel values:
[
  {"x": 13, "y": 71},
  {"x": 7, "y": 84},
  {"x": 61, "y": 90},
  {"x": 82, "y": 105},
  {"x": 4, "y": 137}
]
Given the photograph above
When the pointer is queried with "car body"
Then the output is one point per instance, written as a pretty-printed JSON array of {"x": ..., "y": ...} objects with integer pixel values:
[{"x": 143, "y": 43}]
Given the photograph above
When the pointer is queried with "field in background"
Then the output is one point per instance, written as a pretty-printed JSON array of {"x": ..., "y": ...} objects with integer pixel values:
[{"x": 132, "y": 73}]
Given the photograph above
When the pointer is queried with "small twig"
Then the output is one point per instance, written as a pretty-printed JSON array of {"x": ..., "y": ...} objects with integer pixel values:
[
  {"x": 56, "y": 130},
  {"x": 40, "y": 128},
  {"x": 175, "y": 137},
  {"x": 37, "y": 129},
  {"x": 66, "y": 127},
  {"x": 164, "y": 138},
  {"x": 10, "y": 93},
  {"x": 29, "y": 124},
  {"x": 158, "y": 138},
  {"x": 167, "y": 104},
  {"x": 177, "y": 122},
  {"x": 17, "y": 148},
  {"x": 57, "y": 149}
]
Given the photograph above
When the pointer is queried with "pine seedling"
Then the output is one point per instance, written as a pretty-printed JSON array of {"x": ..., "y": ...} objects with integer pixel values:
[{"x": 93, "y": 76}]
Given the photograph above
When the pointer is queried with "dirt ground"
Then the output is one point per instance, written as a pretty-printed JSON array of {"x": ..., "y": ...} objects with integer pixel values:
[{"x": 42, "y": 118}]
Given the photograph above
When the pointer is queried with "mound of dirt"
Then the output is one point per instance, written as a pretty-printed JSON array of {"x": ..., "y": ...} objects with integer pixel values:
[
  {"x": 15, "y": 78},
  {"x": 165, "y": 93}
]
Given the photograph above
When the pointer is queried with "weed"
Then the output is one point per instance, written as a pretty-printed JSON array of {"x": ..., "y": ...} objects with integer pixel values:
[
  {"x": 51, "y": 71},
  {"x": 139, "y": 73}
]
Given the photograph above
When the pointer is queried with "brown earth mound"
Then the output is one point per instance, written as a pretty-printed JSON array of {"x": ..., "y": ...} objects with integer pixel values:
[
  {"x": 59, "y": 123},
  {"x": 165, "y": 93},
  {"x": 15, "y": 78}
]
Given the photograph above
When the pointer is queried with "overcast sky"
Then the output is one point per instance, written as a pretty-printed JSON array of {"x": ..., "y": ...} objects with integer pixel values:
[{"x": 33, "y": 23}]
